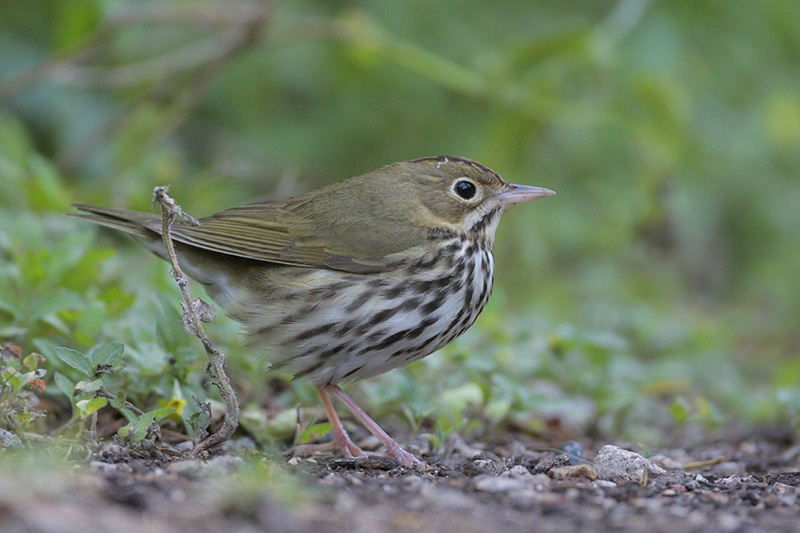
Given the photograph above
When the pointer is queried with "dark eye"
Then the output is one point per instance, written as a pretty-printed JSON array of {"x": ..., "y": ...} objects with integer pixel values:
[{"x": 465, "y": 189}]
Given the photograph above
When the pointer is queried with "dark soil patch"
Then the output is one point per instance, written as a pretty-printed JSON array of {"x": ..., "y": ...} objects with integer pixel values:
[{"x": 750, "y": 484}]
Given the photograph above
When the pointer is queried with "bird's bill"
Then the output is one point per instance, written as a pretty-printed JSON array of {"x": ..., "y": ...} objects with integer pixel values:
[{"x": 523, "y": 193}]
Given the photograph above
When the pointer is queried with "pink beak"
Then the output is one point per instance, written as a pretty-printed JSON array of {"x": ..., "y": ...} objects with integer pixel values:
[{"x": 522, "y": 193}]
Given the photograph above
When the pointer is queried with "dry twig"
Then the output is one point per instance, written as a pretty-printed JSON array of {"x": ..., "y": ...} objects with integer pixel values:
[{"x": 195, "y": 312}]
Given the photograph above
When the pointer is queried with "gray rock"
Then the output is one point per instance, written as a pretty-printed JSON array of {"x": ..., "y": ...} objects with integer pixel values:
[
  {"x": 8, "y": 439},
  {"x": 616, "y": 464},
  {"x": 517, "y": 472}
]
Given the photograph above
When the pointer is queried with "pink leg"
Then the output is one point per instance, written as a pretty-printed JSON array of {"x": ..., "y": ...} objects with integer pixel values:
[
  {"x": 341, "y": 439},
  {"x": 392, "y": 448}
]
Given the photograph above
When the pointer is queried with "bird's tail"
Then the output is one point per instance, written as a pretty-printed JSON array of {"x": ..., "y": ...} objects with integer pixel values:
[{"x": 132, "y": 222}]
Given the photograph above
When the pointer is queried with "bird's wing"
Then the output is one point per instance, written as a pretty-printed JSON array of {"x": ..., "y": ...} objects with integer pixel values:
[{"x": 267, "y": 231}]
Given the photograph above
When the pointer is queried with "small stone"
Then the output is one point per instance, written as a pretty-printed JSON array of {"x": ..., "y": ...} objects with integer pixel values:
[
  {"x": 575, "y": 451},
  {"x": 550, "y": 462},
  {"x": 9, "y": 440},
  {"x": 294, "y": 461},
  {"x": 517, "y": 472},
  {"x": 730, "y": 482},
  {"x": 728, "y": 468},
  {"x": 578, "y": 471},
  {"x": 787, "y": 494},
  {"x": 615, "y": 463},
  {"x": 787, "y": 478},
  {"x": 481, "y": 466}
]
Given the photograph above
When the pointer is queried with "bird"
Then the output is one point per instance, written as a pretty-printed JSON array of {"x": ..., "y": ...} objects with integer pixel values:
[{"x": 350, "y": 280}]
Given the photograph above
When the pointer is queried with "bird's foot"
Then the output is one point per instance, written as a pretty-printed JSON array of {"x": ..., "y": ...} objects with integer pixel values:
[
  {"x": 341, "y": 441},
  {"x": 406, "y": 458},
  {"x": 392, "y": 448}
]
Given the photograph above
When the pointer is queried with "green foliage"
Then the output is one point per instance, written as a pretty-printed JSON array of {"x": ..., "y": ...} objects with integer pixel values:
[{"x": 17, "y": 405}]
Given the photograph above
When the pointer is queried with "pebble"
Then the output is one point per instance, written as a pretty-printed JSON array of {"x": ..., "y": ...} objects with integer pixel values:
[
  {"x": 481, "y": 466},
  {"x": 578, "y": 471},
  {"x": 518, "y": 472},
  {"x": 787, "y": 494},
  {"x": 728, "y": 468},
  {"x": 549, "y": 462},
  {"x": 9, "y": 439},
  {"x": 574, "y": 450},
  {"x": 614, "y": 463}
]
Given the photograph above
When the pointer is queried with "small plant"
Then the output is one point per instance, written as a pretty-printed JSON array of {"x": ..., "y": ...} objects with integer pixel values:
[
  {"x": 92, "y": 394},
  {"x": 20, "y": 377}
]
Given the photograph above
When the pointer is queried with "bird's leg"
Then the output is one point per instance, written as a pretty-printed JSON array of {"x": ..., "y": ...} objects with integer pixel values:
[
  {"x": 392, "y": 448},
  {"x": 341, "y": 439}
]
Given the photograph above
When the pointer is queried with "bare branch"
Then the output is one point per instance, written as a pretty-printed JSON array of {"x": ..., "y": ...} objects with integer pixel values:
[{"x": 170, "y": 210}]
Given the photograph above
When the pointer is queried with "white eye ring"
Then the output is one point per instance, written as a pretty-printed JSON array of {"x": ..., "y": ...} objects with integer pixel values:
[{"x": 465, "y": 189}]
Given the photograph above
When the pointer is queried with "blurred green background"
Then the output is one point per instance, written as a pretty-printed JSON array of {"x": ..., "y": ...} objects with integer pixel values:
[{"x": 658, "y": 290}]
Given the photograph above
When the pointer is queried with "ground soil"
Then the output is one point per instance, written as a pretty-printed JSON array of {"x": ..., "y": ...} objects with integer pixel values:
[{"x": 736, "y": 483}]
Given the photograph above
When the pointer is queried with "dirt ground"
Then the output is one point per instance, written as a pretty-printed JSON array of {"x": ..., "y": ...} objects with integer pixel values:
[{"x": 747, "y": 482}]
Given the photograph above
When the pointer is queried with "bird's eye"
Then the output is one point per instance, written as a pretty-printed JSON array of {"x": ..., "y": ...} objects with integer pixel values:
[{"x": 465, "y": 189}]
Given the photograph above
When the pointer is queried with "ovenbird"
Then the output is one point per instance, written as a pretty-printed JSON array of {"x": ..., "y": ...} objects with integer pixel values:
[{"x": 353, "y": 279}]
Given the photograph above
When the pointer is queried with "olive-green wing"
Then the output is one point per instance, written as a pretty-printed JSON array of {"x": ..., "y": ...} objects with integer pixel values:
[
  {"x": 267, "y": 232},
  {"x": 353, "y": 226}
]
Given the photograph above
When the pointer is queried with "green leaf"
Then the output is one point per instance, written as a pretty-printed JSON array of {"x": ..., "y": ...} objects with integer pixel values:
[
  {"x": 13, "y": 378},
  {"x": 64, "y": 384},
  {"x": 31, "y": 362},
  {"x": 314, "y": 432},
  {"x": 679, "y": 410},
  {"x": 142, "y": 425},
  {"x": 90, "y": 406},
  {"x": 89, "y": 387},
  {"x": 164, "y": 411},
  {"x": 96, "y": 404},
  {"x": 119, "y": 401},
  {"x": 106, "y": 354},
  {"x": 76, "y": 360}
]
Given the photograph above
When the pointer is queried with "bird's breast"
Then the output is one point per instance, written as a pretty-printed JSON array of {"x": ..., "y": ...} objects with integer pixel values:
[{"x": 348, "y": 326}]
